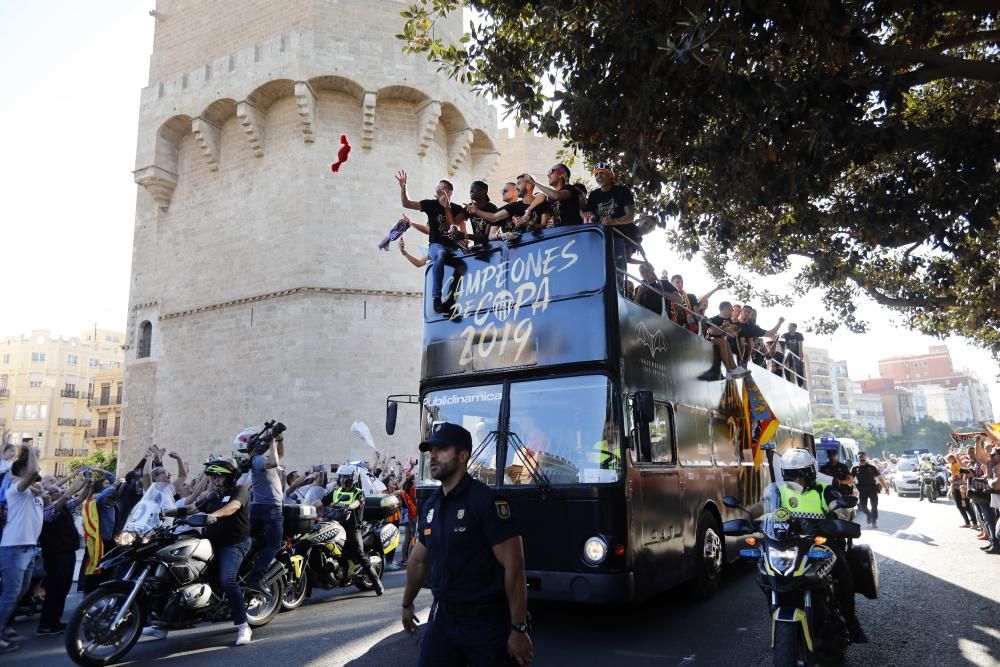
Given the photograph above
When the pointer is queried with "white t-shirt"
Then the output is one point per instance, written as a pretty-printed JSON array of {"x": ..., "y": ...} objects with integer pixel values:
[
  {"x": 24, "y": 517},
  {"x": 313, "y": 493},
  {"x": 146, "y": 514}
]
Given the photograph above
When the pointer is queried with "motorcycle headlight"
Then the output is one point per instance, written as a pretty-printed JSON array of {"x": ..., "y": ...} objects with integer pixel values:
[
  {"x": 782, "y": 560},
  {"x": 595, "y": 550},
  {"x": 125, "y": 539}
]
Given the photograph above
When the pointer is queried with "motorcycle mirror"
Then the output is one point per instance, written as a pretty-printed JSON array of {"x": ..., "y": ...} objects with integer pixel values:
[
  {"x": 731, "y": 501},
  {"x": 391, "y": 408}
]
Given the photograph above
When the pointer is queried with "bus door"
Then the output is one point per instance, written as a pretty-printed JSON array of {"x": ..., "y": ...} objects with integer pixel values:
[{"x": 657, "y": 505}]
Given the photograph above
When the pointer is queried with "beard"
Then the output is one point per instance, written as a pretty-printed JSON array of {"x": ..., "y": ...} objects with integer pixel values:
[{"x": 444, "y": 470}]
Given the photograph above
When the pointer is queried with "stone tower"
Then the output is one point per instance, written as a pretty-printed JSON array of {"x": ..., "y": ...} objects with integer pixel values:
[{"x": 257, "y": 288}]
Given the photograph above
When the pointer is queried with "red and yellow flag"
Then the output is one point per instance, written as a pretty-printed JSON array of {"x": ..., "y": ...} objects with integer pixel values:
[
  {"x": 92, "y": 536},
  {"x": 758, "y": 410}
]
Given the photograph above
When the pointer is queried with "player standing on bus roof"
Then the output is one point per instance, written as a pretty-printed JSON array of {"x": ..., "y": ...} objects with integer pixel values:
[{"x": 467, "y": 542}]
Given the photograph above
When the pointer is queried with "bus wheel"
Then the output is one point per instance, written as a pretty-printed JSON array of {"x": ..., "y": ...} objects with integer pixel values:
[{"x": 709, "y": 553}]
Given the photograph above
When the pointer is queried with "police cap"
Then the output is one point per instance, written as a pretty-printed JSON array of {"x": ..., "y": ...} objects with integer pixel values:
[{"x": 444, "y": 434}]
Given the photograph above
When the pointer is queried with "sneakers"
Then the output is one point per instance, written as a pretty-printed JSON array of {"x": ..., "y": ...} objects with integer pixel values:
[
  {"x": 154, "y": 632},
  {"x": 10, "y": 634},
  {"x": 243, "y": 634},
  {"x": 737, "y": 372},
  {"x": 7, "y": 646},
  {"x": 50, "y": 630}
]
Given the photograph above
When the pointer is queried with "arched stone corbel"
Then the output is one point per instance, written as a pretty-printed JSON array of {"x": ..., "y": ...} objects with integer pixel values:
[
  {"x": 206, "y": 137},
  {"x": 305, "y": 102},
  {"x": 368, "y": 119},
  {"x": 252, "y": 119},
  {"x": 459, "y": 144},
  {"x": 159, "y": 183},
  {"x": 428, "y": 117},
  {"x": 484, "y": 164}
]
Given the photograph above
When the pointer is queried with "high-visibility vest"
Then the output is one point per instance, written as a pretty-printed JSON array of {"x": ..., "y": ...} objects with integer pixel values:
[
  {"x": 605, "y": 456},
  {"x": 808, "y": 504}
]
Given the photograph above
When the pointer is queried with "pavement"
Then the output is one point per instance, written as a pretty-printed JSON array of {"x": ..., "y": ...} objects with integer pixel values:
[{"x": 940, "y": 605}]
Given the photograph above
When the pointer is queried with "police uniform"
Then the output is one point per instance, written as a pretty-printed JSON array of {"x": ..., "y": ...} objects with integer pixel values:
[{"x": 470, "y": 621}]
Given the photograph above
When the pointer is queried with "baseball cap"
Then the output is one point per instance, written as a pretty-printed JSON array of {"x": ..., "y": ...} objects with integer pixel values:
[{"x": 444, "y": 434}]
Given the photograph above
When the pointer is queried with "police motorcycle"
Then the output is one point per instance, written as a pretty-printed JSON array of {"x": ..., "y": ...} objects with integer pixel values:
[
  {"x": 795, "y": 564},
  {"x": 315, "y": 556},
  {"x": 167, "y": 581}
]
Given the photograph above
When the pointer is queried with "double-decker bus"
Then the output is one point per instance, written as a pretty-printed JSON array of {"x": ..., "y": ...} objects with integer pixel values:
[{"x": 587, "y": 414}]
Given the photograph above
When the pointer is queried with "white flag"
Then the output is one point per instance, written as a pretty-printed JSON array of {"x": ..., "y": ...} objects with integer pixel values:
[{"x": 361, "y": 429}]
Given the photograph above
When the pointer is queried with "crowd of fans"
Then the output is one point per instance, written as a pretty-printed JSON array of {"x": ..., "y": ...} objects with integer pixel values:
[
  {"x": 45, "y": 519},
  {"x": 974, "y": 485},
  {"x": 529, "y": 205}
]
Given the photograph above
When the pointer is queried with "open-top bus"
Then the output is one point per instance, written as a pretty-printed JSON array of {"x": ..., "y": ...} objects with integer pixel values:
[{"x": 586, "y": 413}]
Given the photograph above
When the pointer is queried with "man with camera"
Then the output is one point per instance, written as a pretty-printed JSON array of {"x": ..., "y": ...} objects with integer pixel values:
[
  {"x": 266, "y": 495},
  {"x": 18, "y": 546}
]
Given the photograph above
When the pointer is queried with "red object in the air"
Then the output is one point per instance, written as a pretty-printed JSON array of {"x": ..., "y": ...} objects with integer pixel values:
[{"x": 345, "y": 150}]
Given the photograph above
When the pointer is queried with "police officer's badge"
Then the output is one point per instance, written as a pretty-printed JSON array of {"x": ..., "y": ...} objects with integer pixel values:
[
  {"x": 793, "y": 501},
  {"x": 461, "y": 514},
  {"x": 503, "y": 509},
  {"x": 782, "y": 514},
  {"x": 430, "y": 515}
]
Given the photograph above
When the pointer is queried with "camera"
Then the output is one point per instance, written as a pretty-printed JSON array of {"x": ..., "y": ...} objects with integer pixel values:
[{"x": 260, "y": 442}]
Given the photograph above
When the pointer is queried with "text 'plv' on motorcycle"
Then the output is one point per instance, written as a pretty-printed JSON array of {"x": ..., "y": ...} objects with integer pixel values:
[{"x": 796, "y": 558}]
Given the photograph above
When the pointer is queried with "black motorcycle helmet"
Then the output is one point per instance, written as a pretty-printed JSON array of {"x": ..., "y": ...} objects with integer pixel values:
[{"x": 222, "y": 467}]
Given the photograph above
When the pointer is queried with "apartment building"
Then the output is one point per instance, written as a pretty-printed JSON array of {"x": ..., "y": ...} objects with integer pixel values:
[{"x": 829, "y": 385}]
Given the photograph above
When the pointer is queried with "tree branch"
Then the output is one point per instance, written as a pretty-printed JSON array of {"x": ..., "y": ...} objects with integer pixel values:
[{"x": 992, "y": 36}]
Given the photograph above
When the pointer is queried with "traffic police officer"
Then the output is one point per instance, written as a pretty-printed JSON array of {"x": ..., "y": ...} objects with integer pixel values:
[{"x": 469, "y": 547}]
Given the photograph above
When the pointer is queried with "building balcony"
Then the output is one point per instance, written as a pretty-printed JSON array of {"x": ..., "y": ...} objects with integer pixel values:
[
  {"x": 4, "y": 393},
  {"x": 3, "y": 421},
  {"x": 70, "y": 393},
  {"x": 78, "y": 453},
  {"x": 103, "y": 401},
  {"x": 66, "y": 421},
  {"x": 102, "y": 433},
  {"x": 83, "y": 423}
]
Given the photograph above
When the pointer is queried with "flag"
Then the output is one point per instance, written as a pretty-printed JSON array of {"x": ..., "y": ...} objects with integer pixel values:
[
  {"x": 760, "y": 414},
  {"x": 361, "y": 430},
  {"x": 93, "y": 544}
]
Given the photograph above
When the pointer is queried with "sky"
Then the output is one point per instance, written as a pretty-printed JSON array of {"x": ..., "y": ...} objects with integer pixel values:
[{"x": 72, "y": 76}]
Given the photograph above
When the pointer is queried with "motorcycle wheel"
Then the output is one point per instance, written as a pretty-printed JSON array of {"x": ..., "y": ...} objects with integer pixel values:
[
  {"x": 710, "y": 552},
  {"x": 89, "y": 640},
  {"x": 789, "y": 646},
  {"x": 378, "y": 564},
  {"x": 295, "y": 591},
  {"x": 268, "y": 607}
]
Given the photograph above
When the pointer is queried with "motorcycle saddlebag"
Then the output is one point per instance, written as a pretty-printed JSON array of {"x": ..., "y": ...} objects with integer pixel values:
[
  {"x": 380, "y": 507},
  {"x": 299, "y": 519},
  {"x": 864, "y": 570}
]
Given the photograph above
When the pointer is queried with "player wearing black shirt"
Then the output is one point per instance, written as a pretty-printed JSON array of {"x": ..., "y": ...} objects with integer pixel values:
[
  {"x": 793, "y": 355},
  {"x": 507, "y": 217},
  {"x": 613, "y": 205},
  {"x": 444, "y": 219},
  {"x": 563, "y": 200}
]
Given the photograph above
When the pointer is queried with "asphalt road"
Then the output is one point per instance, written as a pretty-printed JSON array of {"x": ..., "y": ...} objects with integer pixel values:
[{"x": 940, "y": 605}]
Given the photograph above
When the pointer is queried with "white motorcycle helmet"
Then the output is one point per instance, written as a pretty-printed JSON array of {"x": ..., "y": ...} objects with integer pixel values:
[
  {"x": 241, "y": 441},
  {"x": 347, "y": 476},
  {"x": 799, "y": 466}
]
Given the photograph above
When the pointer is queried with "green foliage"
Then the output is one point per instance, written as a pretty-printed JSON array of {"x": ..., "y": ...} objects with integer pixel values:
[
  {"x": 861, "y": 137},
  {"x": 841, "y": 428},
  {"x": 926, "y": 434},
  {"x": 98, "y": 459}
]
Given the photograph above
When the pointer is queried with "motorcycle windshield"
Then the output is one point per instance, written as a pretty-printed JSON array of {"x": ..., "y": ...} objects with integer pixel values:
[{"x": 783, "y": 514}]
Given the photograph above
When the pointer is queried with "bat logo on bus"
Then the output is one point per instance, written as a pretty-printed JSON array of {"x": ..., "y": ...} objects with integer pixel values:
[{"x": 654, "y": 342}]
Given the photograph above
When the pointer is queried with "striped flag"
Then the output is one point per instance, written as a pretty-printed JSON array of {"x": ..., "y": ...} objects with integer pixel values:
[{"x": 760, "y": 413}]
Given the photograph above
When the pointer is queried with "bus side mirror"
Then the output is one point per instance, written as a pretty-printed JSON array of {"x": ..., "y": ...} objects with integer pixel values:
[
  {"x": 391, "y": 408},
  {"x": 645, "y": 411}
]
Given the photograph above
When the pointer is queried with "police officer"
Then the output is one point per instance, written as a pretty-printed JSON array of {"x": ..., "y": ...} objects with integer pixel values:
[
  {"x": 349, "y": 499},
  {"x": 469, "y": 547},
  {"x": 812, "y": 499},
  {"x": 841, "y": 474}
]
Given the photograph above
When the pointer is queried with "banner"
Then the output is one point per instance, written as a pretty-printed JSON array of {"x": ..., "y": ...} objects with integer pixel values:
[{"x": 760, "y": 414}]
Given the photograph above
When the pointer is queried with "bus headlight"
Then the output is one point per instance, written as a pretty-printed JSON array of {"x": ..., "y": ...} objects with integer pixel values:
[{"x": 595, "y": 550}]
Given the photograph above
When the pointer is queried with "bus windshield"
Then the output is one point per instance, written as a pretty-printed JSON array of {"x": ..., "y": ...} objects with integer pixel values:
[
  {"x": 565, "y": 429},
  {"x": 560, "y": 430}
]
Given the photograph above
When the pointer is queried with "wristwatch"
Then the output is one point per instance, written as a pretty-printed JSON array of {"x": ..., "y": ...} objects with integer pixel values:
[{"x": 519, "y": 627}]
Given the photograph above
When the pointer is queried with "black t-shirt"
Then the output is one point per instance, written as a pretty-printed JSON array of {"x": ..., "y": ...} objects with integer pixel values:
[
  {"x": 231, "y": 529},
  {"x": 751, "y": 330},
  {"x": 459, "y": 531},
  {"x": 650, "y": 299},
  {"x": 566, "y": 211},
  {"x": 437, "y": 220},
  {"x": 480, "y": 228},
  {"x": 611, "y": 204},
  {"x": 517, "y": 209},
  {"x": 793, "y": 342},
  {"x": 838, "y": 471},
  {"x": 719, "y": 321},
  {"x": 865, "y": 475}
]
